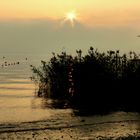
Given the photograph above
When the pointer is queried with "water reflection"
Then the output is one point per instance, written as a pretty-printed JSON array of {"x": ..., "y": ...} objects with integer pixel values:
[{"x": 17, "y": 100}]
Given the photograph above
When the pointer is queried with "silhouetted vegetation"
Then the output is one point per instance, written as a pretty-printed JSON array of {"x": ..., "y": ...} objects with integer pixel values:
[{"x": 94, "y": 83}]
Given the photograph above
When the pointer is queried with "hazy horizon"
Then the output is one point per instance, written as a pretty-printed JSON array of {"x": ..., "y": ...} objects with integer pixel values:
[{"x": 41, "y": 27}]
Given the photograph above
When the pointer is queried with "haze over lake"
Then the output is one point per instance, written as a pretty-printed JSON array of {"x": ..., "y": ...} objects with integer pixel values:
[
  {"x": 46, "y": 36},
  {"x": 43, "y": 26}
]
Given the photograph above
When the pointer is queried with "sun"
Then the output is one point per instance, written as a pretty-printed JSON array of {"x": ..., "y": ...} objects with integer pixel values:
[{"x": 71, "y": 17}]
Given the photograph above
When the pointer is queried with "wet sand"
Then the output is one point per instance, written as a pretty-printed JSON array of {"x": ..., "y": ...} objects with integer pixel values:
[{"x": 76, "y": 129}]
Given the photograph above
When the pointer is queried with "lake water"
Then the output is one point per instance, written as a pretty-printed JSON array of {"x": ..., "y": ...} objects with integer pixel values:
[
  {"x": 17, "y": 94},
  {"x": 17, "y": 100}
]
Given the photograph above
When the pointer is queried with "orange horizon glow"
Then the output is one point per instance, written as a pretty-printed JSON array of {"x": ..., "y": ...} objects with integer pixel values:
[{"x": 92, "y": 13}]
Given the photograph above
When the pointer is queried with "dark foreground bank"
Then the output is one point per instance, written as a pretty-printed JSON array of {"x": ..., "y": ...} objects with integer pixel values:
[{"x": 115, "y": 126}]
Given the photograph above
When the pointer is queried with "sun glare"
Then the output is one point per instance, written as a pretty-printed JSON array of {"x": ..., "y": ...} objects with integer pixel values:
[{"x": 71, "y": 17}]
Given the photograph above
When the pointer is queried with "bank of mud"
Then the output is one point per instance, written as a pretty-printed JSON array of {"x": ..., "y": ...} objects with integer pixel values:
[{"x": 75, "y": 128}]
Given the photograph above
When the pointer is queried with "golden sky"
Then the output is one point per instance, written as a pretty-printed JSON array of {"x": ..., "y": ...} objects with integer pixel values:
[
  {"x": 104, "y": 24},
  {"x": 90, "y": 12}
]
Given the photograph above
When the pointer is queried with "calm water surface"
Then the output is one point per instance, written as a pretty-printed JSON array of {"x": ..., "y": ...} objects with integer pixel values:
[{"x": 17, "y": 100}]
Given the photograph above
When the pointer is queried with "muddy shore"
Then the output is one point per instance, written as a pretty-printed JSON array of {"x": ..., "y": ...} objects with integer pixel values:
[{"x": 82, "y": 128}]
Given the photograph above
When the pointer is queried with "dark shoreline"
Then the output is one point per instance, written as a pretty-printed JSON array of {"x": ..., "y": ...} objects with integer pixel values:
[{"x": 116, "y": 126}]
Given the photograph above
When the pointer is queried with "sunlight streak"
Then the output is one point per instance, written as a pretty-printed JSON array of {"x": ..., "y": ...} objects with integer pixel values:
[{"x": 71, "y": 17}]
